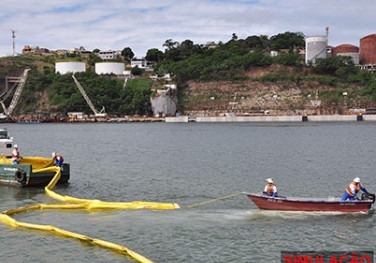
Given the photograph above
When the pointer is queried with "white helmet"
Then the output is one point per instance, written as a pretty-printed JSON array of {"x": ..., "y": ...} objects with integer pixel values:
[
  {"x": 356, "y": 180},
  {"x": 53, "y": 154},
  {"x": 15, "y": 146},
  {"x": 269, "y": 180}
]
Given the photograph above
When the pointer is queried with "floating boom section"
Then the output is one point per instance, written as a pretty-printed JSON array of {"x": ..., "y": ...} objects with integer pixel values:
[
  {"x": 45, "y": 164},
  {"x": 8, "y": 111},
  {"x": 96, "y": 113}
]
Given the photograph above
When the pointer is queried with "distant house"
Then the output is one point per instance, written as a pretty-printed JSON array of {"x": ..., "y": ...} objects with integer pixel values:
[
  {"x": 74, "y": 50},
  {"x": 26, "y": 49},
  {"x": 61, "y": 52},
  {"x": 211, "y": 45},
  {"x": 35, "y": 50},
  {"x": 141, "y": 63},
  {"x": 107, "y": 54},
  {"x": 85, "y": 54}
]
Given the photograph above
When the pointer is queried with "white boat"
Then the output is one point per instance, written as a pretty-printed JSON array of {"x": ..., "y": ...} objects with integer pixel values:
[{"x": 6, "y": 143}]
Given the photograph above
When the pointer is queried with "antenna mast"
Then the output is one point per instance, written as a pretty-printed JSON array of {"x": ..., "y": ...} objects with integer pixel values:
[{"x": 14, "y": 43}]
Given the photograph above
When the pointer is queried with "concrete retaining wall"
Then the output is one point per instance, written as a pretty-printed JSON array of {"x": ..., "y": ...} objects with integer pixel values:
[
  {"x": 177, "y": 119},
  {"x": 313, "y": 118},
  {"x": 369, "y": 117},
  {"x": 332, "y": 118},
  {"x": 251, "y": 119}
]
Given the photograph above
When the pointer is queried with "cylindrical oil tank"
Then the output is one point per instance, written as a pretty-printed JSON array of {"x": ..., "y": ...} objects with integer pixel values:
[
  {"x": 367, "y": 49},
  {"x": 315, "y": 48},
  {"x": 69, "y": 67},
  {"x": 109, "y": 68},
  {"x": 347, "y": 50}
]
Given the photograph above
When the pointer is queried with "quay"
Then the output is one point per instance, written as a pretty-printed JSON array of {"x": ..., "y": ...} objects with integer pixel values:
[
  {"x": 304, "y": 118},
  {"x": 206, "y": 119}
]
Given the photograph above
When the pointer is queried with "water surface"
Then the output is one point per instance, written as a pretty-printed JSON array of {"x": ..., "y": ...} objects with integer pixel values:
[{"x": 188, "y": 163}]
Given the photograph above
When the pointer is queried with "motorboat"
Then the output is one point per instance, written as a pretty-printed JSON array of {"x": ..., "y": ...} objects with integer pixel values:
[{"x": 331, "y": 204}]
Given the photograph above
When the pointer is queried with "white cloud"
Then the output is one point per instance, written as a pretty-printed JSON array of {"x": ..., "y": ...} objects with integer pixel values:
[{"x": 145, "y": 24}]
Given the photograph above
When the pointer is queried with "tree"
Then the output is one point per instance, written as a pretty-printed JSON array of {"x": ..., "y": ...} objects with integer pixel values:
[
  {"x": 287, "y": 40},
  {"x": 253, "y": 42},
  {"x": 154, "y": 55},
  {"x": 136, "y": 71},
  {"x": 127, "y": 53},
  {"x": 332, "y": 65},
  {"x": 170, "y": 44}
]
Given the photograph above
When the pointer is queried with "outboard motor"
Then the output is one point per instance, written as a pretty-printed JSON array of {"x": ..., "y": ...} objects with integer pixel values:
[{"x": 368, "y": 197}]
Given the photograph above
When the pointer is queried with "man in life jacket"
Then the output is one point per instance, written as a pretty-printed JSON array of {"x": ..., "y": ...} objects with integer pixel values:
[
  {"x": 352, "y": 190},
  {"x": 15, "y": 154},
  {"x": 270, "y": 189},
  {"x": 58, "y": 159}
]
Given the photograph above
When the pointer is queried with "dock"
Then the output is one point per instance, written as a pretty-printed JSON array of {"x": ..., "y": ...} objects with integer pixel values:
[{"x": 304, "y": 118}]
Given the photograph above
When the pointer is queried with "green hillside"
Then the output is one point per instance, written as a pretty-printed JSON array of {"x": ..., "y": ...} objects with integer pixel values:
[
  {"x": 51, "y": 93},
  {"x": 239, "y": 75}
]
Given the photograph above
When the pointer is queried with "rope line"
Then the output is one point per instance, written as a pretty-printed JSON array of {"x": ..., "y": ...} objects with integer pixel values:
[{"x": 215, "y": 199}]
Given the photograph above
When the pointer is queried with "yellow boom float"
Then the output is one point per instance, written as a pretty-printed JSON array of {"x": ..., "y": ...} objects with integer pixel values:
[{"x": 87, "y": 204}]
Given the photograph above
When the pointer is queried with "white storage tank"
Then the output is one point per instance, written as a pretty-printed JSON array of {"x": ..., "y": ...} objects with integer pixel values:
[
  {"x": 69, "y": 67},
  {"x": 315, "y": 48},
  {"x": 116, "y": 68}
]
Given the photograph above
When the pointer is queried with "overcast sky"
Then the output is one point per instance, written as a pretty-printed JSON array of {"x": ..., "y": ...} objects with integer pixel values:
[{"x": 145, "y": 24}]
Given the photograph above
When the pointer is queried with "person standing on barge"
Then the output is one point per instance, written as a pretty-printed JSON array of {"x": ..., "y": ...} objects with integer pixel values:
[
  {"x": 15, "y": 155},
  {"x": 58, "y": 159}
]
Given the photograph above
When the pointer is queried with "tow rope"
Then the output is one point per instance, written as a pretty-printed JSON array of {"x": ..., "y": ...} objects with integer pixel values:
[{"x": 215, "y": 199}]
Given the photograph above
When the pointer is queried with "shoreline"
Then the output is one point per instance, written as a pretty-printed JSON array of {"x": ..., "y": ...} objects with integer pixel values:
[{"x": 206, "y": 119}]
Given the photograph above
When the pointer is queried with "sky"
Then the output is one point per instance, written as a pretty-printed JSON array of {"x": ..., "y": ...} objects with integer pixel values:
[{"x": 146, "y": 24}]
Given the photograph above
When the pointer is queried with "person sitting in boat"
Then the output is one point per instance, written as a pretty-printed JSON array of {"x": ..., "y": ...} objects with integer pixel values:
[
  {"x": 270, "y": 188},
  {"x": 352, "y": 190},
  {"x": 15, "y": 155},
  {"x": 58, "y": 159}
]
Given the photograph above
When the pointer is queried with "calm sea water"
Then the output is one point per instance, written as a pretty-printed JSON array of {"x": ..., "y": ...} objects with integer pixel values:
[{"x": 188, "y": 163}]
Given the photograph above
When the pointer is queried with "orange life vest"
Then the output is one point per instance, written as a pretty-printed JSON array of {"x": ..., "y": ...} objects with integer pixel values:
[
  {"x": 15, "y": 154},
  {"x": 270, "y": 189},
  {"x": 59, "y": 157},
  {"x": 356, "y": 187}
]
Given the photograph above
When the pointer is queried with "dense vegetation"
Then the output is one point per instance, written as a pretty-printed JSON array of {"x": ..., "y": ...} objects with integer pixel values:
[
  {"x": 230, "y": 61},
  {"x": 185, "y": 61},
  {"x": 49, "y": 92}
]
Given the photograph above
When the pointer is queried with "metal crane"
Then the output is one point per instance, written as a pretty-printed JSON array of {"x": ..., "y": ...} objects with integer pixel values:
[
  {"x": 8, "y": 111},
  {"x": 101, "y": 113}
]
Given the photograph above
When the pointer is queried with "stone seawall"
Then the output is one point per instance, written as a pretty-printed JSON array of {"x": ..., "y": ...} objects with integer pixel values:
[{"x": 313, "y": 118}]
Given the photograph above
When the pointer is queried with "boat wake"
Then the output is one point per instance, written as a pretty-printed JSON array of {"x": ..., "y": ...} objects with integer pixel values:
[{"x": 257, "y": 214}]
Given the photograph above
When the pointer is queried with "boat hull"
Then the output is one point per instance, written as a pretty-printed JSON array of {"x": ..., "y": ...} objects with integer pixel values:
[
  {"x": 23, "y": 175},
  {"x": 313, "y": 205}
]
